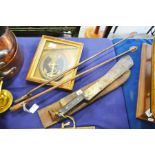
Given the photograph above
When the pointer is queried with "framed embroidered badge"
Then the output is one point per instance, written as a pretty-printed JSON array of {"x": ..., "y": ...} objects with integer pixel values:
[{"x": 54, "y": 56}]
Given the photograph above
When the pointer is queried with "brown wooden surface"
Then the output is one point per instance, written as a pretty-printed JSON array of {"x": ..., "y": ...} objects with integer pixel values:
[
  {"x": 143, "y": 100},
  {"x": 153, "y": 80},
  {"x": 47, "y": 114}
]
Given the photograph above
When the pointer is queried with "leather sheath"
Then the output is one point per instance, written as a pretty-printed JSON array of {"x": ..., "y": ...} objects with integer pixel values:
[
  {"x": 144, "y": 85},
  {"x": 47, "y": 114}
]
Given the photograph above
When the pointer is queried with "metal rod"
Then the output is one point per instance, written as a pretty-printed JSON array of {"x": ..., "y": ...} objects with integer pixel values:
[
  {"x": 20, "y": 105},
  {"x": 28, "y": 94}
]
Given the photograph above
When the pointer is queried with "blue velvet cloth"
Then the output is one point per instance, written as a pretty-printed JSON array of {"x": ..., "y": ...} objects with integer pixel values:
[
  {"x": 130, "y": 89},
  {"x": 107, "y": 112}
]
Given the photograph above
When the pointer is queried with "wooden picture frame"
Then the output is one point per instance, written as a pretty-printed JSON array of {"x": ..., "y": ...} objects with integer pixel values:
[
  {"x": 57, "y": 52},
  {"x": 144, "y": 85}
]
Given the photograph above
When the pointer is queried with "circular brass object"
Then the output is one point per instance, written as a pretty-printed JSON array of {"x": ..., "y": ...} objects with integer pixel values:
[
  {"x": 6, "y": 100},
  {"x": 52, "y": 65}
]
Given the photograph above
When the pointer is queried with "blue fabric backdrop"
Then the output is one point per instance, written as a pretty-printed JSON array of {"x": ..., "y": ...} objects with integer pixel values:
[
  {"x": 130, "y": 89},
  {"x": 108, "y": 112},
  {"x": 115, "y": 110}
]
